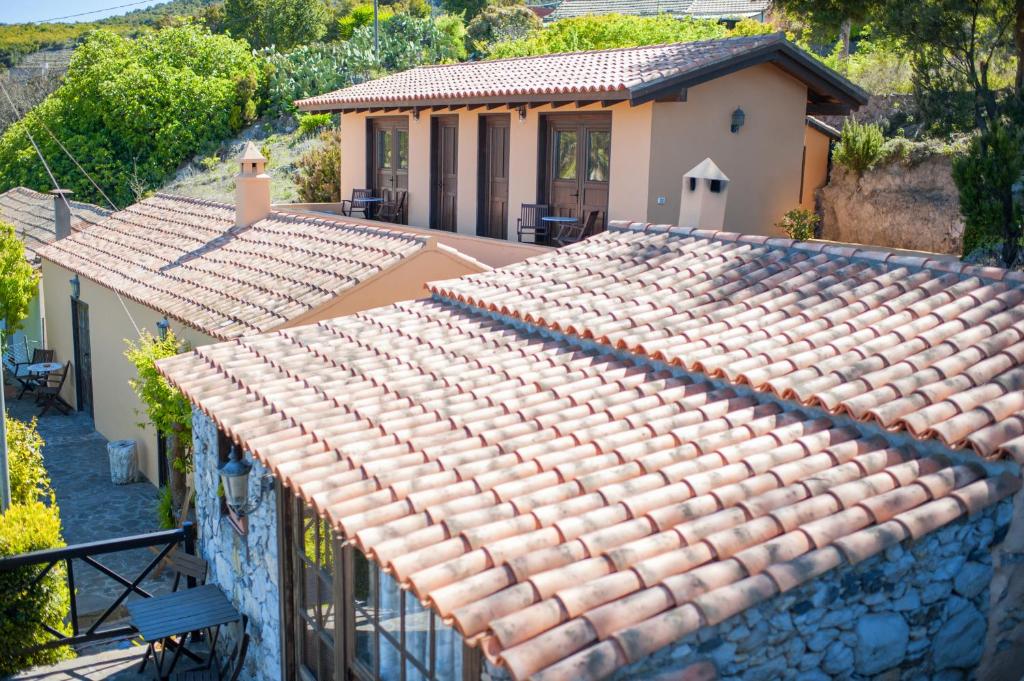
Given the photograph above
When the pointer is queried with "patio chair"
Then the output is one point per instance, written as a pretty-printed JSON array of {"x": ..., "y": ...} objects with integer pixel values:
[
  {"x": 16, "y": 356},
  {"x": 393, "y": 207},
  {"x": 352, "y": 206},
  {"x": 529, "y": 223},
  {"x": 570, "y": 234},
  {"x": 48, "y": 393},
  {"x": 32, "y": 381},
  {"x": 232, "y": 667}
]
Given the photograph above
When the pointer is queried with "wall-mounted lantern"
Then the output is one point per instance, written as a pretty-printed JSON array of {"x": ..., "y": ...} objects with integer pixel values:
[
  {"x": 76, "y": 287},
  {"x": 415, "y": 113},
  {"x": 522, "y": 113},
  {"x": 162, "y": 327},
  {"x": 234, "y": 476},
  {"x": 738, "y": 119}
]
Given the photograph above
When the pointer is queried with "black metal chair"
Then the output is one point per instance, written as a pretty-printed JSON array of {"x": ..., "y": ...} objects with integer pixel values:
[
  {"x": 530, "y": 223},
  {"x": 354, "y": 205},
  {"x": 34, "y": 381},
  {"x": 48, "y": 393},
  {"x": 392, "y": 209},
  {"x": 571, "y": 233}
]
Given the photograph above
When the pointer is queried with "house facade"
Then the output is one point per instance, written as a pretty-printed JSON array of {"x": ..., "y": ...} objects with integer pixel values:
[
  {"x": 659, "y": 453},
  {"x": 40, "y": 219},
  {"x": 213, "y": 272},
  {"x": 610, "y": 131}
]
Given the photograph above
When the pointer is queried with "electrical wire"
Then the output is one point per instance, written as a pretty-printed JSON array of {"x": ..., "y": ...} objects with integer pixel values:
[{"x": 96, "y": 11}]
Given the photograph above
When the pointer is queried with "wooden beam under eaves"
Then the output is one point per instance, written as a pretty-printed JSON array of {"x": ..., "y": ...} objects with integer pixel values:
[
  {"x": 491, "y": 107},
  {"x": 559, "y": 105}
]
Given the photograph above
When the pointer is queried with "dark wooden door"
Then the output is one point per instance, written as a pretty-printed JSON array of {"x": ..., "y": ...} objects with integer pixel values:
[
  {"x": 389, "y": 154},
  {"x": 494, "y": 153},
  {"x": 577, "y": 165},
  {"x": 83, "y": 355},
  {"x": 445, "y": 153}
]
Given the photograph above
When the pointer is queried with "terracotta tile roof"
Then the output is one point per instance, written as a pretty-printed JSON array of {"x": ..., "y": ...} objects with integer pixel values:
[
  {"x": 928, "y": 346},
  {"x": 570, "y": 508},
  {"x": 624, "y": 73},
  {"x": 185, "y": 258},
  {"x": 31, "y": 213}
]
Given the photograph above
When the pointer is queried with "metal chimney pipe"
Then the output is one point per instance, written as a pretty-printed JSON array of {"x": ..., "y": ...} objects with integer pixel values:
[{"x": 62, "y": 212}]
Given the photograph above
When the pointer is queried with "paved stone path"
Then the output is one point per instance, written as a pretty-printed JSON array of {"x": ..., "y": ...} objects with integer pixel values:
[{"x": 92, "y": 507}]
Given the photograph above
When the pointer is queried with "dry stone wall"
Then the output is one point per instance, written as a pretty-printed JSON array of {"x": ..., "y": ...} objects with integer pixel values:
[{"x": 915, "y": 207}]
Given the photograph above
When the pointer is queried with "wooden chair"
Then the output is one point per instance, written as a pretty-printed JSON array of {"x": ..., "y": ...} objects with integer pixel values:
[
  {"x": 529, "y": 223},
  {"x": 352, "y": 206},
  {"x": 393, "y": 207},
  {"x": 16, "y": 356},
  {"x": 33, "y": 381},
  {"x": 232, "y": 667},
  {"x": 48, "y": 393},
  {"x": 183, "y": 565},
  {"x": 570, "y": 234}
]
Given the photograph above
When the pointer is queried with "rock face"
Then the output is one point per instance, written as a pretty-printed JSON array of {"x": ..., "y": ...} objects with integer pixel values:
[
  {"x": 881, "y": 643},
  {"x": 897, "y": 206},
  {"x": 960, "y": 641}
]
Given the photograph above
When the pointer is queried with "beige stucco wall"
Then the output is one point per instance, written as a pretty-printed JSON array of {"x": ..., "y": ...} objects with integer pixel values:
[
  {"x": 652, "y": 146},
  {"x": 816, "y": 144},
  {"x": 762, "y": 160},
  {"x": 116, "y": 409}
]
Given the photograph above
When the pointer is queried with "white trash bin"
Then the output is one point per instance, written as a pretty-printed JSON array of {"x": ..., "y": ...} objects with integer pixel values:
[{"x": 124, "y": 466}]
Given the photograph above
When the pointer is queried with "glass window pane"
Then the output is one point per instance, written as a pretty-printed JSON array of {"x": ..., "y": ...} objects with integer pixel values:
[
  {"x": 565, "y": 154},
  {"x": 390, "y": 661},
  {"x": 403, "y": 149},
  {"x": 309, "y": 648},
  {"x": 599, "y": 146},
  {"x": 391, "y": 627},
  {"x": 365, "y": 610},
  {"x": 366, "y": 646},
  {"x": 384, "y": 148},
  {"x": 447, "y": 652},
  {"x": 417, "y": 630},
  {"x": 326, "y": 662}
]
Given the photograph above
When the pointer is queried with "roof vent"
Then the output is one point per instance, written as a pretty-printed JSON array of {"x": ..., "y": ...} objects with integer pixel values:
[
  {"x": 705, "y": 189},
  {"x": 62, "y": 212},
  {"x": 252, "y": 187}
]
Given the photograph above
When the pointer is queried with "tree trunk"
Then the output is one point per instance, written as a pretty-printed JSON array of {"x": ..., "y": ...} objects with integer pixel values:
[
  {"x": 845, "y": 29},
  {"x": 176, "y": 478},
  {"x": 1018, "y": 41}
]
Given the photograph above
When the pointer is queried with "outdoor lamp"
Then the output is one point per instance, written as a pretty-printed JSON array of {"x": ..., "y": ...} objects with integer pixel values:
[
  {"x": 234, "y": 476},
  {"x": 738, "y": 118},
  {"x": 76, "y": 286}
]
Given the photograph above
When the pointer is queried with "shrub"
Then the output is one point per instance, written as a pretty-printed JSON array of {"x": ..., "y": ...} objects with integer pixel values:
[
  {"x": 799, "y": 224},
  {"x": 305, "y": 71},
  {"x": 860, "y": 147},
  {"x": 499, "y": 23},
  {"x": 362, "y": 15},
  {"x": 310, "y": 123},
  {"x": 29, "y": 480},
  {"x": 984, "y": 176},
  {"x": 134, "y": 110},
  {"x": 165, "y": 509},
  {"x": 319, "y": 171},
  {"x": 284, "y": 23},
  {"x": 210, "y": 163},
  {"x": 26, "y": 608}
]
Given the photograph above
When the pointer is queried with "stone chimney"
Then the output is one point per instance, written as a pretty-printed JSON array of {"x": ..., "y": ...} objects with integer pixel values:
[
  {"x": 252, "y": 188},
  {"x": 705, "y": 190},
  {"x": 61, "y": 212}
]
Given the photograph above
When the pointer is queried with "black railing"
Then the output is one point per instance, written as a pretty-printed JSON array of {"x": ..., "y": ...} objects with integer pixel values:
[{"x": 48, "y": 558}]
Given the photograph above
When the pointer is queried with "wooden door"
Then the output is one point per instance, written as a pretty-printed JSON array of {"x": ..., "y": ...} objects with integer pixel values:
[
  {"x": 83, "y": 355},
  {"x": 577, "y": 164},
  {"x": 445, "y": 170},
  {"x": 494, "y": 154},
  {"x": 389, "y": 154}
]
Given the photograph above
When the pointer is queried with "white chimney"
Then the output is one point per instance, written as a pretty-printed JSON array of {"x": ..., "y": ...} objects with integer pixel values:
[
  {"x": 705, "y": 190},
  {"x": 252, "y": 188},
  {"x": 61, "y": 212}
]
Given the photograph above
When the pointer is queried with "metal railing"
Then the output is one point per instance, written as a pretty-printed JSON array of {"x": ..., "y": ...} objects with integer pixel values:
[{"x": 48, "y": 558}]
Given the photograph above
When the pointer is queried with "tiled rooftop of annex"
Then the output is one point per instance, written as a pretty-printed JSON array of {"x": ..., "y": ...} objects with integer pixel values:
[
  {"x": 538, "y": 453},
  {"x": 32, "y": 215}
]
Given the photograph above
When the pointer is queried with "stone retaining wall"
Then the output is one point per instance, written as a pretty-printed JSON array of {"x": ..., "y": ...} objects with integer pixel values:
[
  {"x": 245, "y": 567},
  {"x": 917, "y": 612}
]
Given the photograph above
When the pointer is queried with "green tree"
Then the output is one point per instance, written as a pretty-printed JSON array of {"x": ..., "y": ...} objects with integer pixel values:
[
  {"x": 29, "y": 480},
  {"x": 831, "y": 17},
  {"x": 465, "y": 8},
  {"x": 500, "y": 23},
  {"x": 19, "y": 282},
  {"x": 279, "y": 23},
  {"x": 133, "y": 110},
  {"x": 608, "y": 31},
  {"x": 165, "y": 406},
  {"x": 362, "y": 15}
]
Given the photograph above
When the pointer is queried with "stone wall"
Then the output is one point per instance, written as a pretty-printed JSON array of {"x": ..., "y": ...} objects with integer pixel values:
[
  {"x": 898, "y": 205},
  {"x": 917, "y": 612},
  {"x": 245, "y": 567}
]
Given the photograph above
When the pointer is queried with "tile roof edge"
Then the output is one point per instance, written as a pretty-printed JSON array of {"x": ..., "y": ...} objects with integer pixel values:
[
  {"x": 879, "y": 254},
  {"x": 896, "y": 438},
  {"x": 456, "y": 253}
]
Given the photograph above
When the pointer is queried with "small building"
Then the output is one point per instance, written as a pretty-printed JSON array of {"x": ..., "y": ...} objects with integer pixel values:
[
  {"x": 727, "y": 11},
  {"x": 660, "y": 453},
  {"x": 610, "y": 131},
  {"x": 40, "y": 219},
  {"x": 216, "y": 272}
]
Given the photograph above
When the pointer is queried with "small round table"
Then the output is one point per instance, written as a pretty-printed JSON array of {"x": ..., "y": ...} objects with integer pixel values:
[
  {"x": 369, "y": 204},
  {"x": 559, "y": 222},
  {"x": 44, "y": 367}
]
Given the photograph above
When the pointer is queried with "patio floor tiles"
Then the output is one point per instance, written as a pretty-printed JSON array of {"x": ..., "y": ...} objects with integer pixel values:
[{"x": 866, "y": 333}]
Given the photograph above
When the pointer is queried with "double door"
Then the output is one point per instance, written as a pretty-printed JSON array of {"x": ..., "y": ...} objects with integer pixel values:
[
  {"x": 389, "y": 154},
  {"x": 578, "y": 163}
]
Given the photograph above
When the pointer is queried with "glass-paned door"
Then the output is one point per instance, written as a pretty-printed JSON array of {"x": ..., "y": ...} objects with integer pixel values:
[{"x": 578, "y": 164}]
